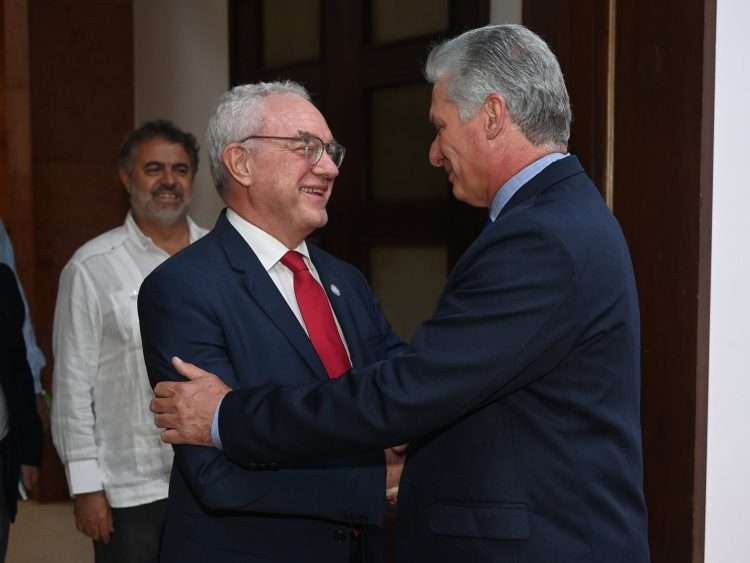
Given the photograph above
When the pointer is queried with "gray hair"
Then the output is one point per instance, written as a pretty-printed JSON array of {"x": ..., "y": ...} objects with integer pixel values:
[
  {"x": 513, "y": 62},
  {"x": 239, "y": 113}
]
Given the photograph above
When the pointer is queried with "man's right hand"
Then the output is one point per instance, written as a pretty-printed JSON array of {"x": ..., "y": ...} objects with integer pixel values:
[
  {"x": 185, "y": 409},
  {"x": 94, "y": 516}
]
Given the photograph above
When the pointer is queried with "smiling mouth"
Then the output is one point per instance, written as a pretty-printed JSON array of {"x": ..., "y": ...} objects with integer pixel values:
[
  {"x": 320, "y": 192},
  {"x": 167, "y": 200}
]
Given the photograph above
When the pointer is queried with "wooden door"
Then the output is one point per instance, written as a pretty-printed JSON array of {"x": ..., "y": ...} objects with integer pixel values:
[
  {"x": 392, "y": 214},
  {"x": 641, "y": 80}
]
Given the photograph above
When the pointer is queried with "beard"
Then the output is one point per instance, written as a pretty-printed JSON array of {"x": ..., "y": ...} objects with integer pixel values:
[{"x": 166, "y": 213}]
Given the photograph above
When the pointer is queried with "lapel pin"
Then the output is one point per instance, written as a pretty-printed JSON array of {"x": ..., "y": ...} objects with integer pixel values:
[{"x": 335, "y": 290}]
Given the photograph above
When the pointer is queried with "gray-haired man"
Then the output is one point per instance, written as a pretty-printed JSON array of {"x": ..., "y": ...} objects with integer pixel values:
[
  {"x": 521, "y": 395},
  {"x": 256, "y": 303}
]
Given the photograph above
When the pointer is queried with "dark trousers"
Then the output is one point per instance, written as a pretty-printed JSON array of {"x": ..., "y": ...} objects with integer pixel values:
[{"x": 136, "y": 536}]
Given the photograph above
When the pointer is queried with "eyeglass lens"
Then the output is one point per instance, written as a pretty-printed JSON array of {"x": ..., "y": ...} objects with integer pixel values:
[{"x": 314, "y": 147}]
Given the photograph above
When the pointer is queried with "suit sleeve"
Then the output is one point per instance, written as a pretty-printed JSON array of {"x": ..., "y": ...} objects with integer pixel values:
[
  {"x": 503, "y": 321},
  {"x": 178, "y": 320}
]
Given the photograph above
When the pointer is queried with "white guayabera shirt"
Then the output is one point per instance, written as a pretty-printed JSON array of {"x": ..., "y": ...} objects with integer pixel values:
[{"x": 101, "y": 425}]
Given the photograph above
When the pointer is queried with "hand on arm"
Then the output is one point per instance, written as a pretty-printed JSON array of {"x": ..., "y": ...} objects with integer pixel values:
[
  {"x": 94, "y": 516},
  {"x": 221, "y": 485},
  {"x": 185, "y": 409},
  {"x": 170, "y": 322}
]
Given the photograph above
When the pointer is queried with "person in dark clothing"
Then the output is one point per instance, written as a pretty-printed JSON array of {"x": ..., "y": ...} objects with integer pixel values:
[{"x": 20, "y": 426}]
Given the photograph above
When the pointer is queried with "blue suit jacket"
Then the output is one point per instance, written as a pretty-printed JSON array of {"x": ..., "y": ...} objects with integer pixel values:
[
  {"x": 213, "y": 304},
  {"x": 23, "y": 442},
  {"x": 520, "y": 396}
]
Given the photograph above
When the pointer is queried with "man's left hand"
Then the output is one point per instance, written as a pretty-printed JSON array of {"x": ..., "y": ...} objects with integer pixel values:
[
  {"x": 394, "y": 465},
  {"x": 185, "y": 409},
  {"x": 29, "y": 477}
]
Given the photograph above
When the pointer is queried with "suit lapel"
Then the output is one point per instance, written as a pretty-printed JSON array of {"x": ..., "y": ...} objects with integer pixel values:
[
  {"x": 266, "y": 295},
  {"x": 339, "y": 295}
]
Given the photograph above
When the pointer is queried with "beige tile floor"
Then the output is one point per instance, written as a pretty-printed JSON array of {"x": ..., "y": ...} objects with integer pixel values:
[{"x": 46, "y": 533}]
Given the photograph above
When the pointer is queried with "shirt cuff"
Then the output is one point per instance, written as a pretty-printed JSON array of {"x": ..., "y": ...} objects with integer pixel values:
[
  {"x": 215, "y": 437},
  {"x": 36, "y": 364},
  {"x": 84, "y": 476}
]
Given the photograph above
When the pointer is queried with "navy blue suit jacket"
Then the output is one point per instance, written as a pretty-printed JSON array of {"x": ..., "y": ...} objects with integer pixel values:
[
  {"x": 23, "y": 443},
  {"x": 214, "y": 305},
  {"x": 520, "y": 396}
]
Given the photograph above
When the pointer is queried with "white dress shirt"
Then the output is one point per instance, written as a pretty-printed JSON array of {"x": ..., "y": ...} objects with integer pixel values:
[
  {"x": 270, "y": 251},
  {"x": 101, "y": 425}
]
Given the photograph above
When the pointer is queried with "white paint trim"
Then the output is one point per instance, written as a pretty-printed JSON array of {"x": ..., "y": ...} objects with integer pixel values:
[{"x": 728, "y": 451}]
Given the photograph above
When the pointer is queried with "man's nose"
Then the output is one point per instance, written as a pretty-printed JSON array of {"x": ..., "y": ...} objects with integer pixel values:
[
  {"x": 436, "y": 155},
  {"x": 168, "y": 177},
  {"x": 326, "y": 166}
]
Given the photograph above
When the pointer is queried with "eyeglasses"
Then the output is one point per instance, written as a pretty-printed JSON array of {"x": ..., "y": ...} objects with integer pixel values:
[{"x": 312, "y": 145}]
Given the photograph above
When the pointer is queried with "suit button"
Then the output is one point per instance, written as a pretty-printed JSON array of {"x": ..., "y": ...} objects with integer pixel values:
[{"x": 340, "y": 536}]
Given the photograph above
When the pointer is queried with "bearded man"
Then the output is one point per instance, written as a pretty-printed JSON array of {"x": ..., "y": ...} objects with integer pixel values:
[{"x": 116, "y": 466}]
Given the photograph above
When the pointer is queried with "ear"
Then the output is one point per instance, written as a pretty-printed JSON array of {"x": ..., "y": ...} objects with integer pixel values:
[
  {"x": 124, "y": 178},
  {"x": 495, "y": 112},
  {"x": 238, "y": 163}
]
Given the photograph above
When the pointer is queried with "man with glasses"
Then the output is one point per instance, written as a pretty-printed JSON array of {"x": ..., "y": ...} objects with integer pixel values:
[
  {"x": 520, "y": 396},
  {"x": 255, "y": 303}
]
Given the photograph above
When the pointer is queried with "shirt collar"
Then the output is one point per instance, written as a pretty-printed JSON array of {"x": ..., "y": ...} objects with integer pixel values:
[
  {"x": 267, "y": 248},
  {"x": 136, "y": 234},
  {"x": 195, "y": 231},
  {"x": 516, "y": 182},
  {"x": 141, "y": 239}
]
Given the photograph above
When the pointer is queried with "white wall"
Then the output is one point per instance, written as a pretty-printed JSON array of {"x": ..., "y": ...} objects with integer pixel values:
[
  {"x": 506, "y": 11},
  {"x": 181, "y": 67},
  {"x": 728, "y": 469}
]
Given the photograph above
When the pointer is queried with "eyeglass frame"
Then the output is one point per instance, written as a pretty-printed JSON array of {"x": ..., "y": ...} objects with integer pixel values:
[{"x": 304, "y": 136}]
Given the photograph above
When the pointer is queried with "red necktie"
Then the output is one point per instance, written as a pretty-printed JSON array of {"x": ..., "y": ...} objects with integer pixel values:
[{"x": 316, "y": 311}]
